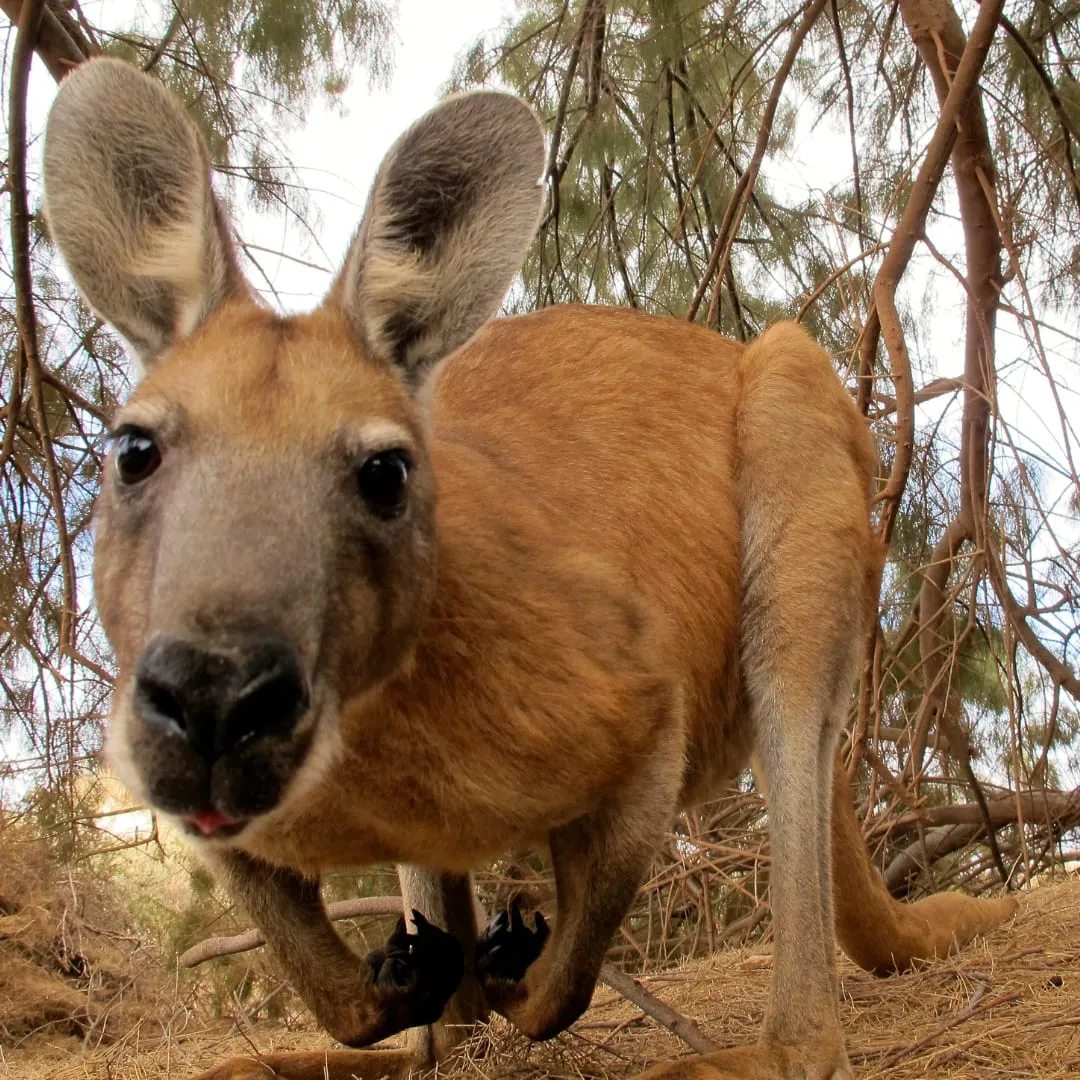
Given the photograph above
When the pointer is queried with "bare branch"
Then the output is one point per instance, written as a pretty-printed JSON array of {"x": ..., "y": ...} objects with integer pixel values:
[
  {"x": 675, "y": 1022},
  {"x": 58, "y": 49},
  {"x": 736, "y": 208},
  {"x": 215, "y": 947}
]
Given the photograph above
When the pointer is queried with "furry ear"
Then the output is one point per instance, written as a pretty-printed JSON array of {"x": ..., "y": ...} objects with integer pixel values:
[
  {"x": 451, "y": 214},
  {"x": 129, "y": 204}
]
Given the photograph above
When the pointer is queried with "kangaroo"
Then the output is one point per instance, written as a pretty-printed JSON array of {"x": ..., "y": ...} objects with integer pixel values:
[{"x": 392, "y": 581}]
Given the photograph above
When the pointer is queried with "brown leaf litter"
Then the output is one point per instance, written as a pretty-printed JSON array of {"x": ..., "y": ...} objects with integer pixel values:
[{"x": 1009, "y": 1006}]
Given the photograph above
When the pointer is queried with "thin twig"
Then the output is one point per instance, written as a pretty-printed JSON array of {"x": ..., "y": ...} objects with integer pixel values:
[
  {"x": 663, "y": 1014},
  {"x": 733, "y": 215}
]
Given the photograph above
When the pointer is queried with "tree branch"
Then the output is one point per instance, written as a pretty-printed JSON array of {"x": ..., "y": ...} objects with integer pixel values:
[
  {"x": 663, "y": 1014},
  {"x": 215, "y": 947},
  {"x": 740, "y": 196},
  {"x": 26, "y": 319},
  {"x": 56, "y": 47},
  {"x": 1069, "y": 131},
  {"x": 952, "y": 828},
  {"x": 883, "y": 318}
]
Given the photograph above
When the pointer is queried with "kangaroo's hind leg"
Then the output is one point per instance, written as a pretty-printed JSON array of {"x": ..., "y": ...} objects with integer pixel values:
[
  {"x": 449, "y": 901},
  {"x": 806, "y": 554},
  {"x": 807, "y": 561}
]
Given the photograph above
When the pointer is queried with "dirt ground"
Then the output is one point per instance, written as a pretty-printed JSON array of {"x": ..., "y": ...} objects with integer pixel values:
[{"x": 1008, "y": 1007}]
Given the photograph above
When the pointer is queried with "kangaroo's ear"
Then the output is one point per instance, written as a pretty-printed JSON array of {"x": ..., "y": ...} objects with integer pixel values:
[
  {"x": 452, "y": 212},
  {"x": 129, "y": 204}
]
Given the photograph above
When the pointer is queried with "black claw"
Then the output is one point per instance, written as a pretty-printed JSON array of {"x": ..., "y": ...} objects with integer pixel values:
[
  {"x": 400, "y": 937},
  {"x": 507, "y": 947},
  {"x": 517, "y": 923},
  {"x": 423, "y": 927}
]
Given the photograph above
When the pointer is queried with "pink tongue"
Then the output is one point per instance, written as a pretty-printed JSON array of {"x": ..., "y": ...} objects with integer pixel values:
[{"x": 209, "y": 821}]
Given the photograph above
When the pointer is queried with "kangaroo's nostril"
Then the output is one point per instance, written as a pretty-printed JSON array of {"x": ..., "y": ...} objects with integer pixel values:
[
  {"x": 164, "y": 702},
  {"x": 219, "y": 698},
  {"x": 269, "y": 704}
]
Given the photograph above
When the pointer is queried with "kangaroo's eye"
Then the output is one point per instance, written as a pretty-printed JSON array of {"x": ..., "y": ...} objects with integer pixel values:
[
  {"x": 384, "y": 483},
  {"x": 137, "y": 456}
]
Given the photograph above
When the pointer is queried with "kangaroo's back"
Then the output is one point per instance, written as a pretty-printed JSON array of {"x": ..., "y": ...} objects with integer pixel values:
[
  {"x": 622, "y": 426},
  {"x": 631, "y": 431}
]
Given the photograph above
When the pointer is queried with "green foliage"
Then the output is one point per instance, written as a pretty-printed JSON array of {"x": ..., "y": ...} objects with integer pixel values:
[
  {"x": 643, "y": 175},
  {"x": 249, "y": 71}
]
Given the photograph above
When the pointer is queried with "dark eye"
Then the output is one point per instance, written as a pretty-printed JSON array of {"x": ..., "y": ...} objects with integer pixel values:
[
  {"x": 137, "y": 456},
  {"x": 384, "y": 483}
]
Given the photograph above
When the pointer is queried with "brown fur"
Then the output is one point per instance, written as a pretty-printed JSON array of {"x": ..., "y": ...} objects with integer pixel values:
[{"x": 635, "y": 552}]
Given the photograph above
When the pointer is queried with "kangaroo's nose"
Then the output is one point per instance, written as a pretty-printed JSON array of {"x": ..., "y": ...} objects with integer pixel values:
[{"x": 220, "y": 698}]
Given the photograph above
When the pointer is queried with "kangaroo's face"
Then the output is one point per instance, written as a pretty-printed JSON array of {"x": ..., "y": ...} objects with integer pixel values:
[
  {"x": 264, "y": 552},
  {"x": 265, "y": 547}
]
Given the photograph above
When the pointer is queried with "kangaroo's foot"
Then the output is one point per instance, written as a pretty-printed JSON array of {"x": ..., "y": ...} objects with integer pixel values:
[
  {"x": 312, "y": 1065},
  {"x": 817, "y": 1059},
  {"x": 507, "y": 948}
]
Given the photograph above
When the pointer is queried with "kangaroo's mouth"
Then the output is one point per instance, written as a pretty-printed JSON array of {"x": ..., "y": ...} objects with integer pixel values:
[
  {"x": 216, "y": 798},
  {"x": 213, "y": 824}
]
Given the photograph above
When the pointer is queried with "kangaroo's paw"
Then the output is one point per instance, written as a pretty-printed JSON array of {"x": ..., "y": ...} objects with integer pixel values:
[
  {"x": 513, "y": 983},
  {"x": 508, "y": 947},
  {"x": 416, "y": 974}
]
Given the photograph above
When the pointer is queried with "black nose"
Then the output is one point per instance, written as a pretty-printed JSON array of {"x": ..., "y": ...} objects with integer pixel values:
[{"x": 220, "y": 698}]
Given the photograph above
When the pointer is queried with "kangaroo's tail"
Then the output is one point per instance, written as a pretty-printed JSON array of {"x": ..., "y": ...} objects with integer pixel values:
[{"x": 882, "y": 934}]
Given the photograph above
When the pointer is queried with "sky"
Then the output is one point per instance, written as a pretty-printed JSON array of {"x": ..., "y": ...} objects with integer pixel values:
[{"x": 339, "y": 147}]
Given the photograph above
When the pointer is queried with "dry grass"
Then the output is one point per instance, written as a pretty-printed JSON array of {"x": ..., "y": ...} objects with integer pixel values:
[
  {"x": 70, "y": 970},
  {"x": 1008, "y": 1007}
]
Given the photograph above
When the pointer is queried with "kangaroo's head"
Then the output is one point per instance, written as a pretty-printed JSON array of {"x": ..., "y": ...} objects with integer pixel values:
[{"x": 265, "y": 549}]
